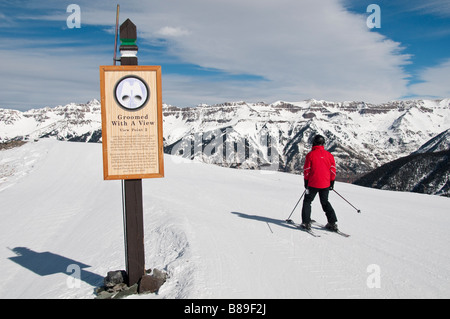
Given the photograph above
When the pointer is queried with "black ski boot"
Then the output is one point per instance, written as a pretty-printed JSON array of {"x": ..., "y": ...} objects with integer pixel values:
[
  {"x": 332, "y": 227},
  {"x": 306, "y": 226}
]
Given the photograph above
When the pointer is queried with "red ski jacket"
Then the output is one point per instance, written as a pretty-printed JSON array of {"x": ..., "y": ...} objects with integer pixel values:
[{"x": 320, "y": 168}]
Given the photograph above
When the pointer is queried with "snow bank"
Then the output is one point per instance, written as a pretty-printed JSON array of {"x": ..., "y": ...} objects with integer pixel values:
[{"x": 218, "y": 232}]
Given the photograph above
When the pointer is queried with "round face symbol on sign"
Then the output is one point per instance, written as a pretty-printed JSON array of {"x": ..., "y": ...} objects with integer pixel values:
[{"x": 131, "y": 92}]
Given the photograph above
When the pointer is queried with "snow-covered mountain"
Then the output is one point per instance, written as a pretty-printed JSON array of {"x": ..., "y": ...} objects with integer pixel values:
[
  {"x": 217, "y": 232},
  {"x": 72, "y": 122},
  {"x": 441, "y": 142},
  {"x": 274, "y": 136},
  {"x": 361, "y": 136},
  {"x": 426, "y": 170},
  {"x": 427, "y": 173}
]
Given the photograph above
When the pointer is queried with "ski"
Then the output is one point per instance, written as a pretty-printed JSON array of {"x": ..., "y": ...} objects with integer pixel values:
[
  {"x": 329, "y": 230},
  {"x": 309, "y": 231},
  {"x": 298, "y": 226},
  {"x": 339, "y": 233}
]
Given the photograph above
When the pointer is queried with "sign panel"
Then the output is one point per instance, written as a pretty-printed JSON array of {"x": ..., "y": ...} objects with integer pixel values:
[{"x": 132, "y": 134}]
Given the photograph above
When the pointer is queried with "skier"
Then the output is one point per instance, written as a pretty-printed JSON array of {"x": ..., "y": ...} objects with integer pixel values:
[{"x": 319, "y": 175}]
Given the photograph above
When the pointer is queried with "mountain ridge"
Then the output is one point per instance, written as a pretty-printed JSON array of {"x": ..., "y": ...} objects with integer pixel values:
[
  {"x": 276, "y": 136},
  {"x": 426, "y": 173}
]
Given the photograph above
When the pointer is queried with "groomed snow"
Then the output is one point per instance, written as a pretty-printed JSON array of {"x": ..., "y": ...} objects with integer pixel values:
[{"x": 218, "y": 232}]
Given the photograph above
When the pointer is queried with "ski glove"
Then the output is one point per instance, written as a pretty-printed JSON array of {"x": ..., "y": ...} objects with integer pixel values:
[
  {"x": 331, "y": 185},
  {"x": 306, "y": 183}
]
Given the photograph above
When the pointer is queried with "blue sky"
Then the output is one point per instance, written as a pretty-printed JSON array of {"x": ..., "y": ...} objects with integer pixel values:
[{"x": 213, "y": 51}]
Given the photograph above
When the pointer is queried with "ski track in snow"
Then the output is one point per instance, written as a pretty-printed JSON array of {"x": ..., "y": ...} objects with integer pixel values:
[{"x": 217, "y": 232}]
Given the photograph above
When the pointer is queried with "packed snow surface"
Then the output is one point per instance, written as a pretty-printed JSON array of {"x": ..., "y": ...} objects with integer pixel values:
[{"x": 218, "y": 232}]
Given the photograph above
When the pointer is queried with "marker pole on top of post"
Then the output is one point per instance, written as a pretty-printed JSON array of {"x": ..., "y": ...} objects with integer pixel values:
[{"x": 115, "y": 38}]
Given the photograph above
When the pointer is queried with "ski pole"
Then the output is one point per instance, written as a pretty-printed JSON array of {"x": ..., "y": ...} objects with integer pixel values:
[
  {"x": 357, "y": 210},
  {"x": 288, "y": 219}
]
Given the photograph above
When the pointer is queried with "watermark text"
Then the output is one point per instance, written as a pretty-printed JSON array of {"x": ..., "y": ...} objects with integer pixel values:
[
  {"x": 374, "y": 19},
  {"x": 374, "y": 279},
  {"x": 74, "y": 19}
]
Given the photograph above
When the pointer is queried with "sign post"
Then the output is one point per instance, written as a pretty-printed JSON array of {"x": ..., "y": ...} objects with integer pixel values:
[{"x": 132, "y": 138}]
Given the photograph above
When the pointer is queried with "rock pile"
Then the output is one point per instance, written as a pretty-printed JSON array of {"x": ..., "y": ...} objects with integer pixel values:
[{"x": 115, "y": 284}]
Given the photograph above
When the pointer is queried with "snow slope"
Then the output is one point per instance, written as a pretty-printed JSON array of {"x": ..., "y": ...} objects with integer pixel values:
[{"x": 218, "y": 232}]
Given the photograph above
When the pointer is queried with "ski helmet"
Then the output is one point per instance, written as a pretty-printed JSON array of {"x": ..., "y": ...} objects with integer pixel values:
[{"x": 318, "y": 140}]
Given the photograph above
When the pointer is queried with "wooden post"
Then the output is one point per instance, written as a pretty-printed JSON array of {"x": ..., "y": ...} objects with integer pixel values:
[
  {"x": 133, "y": 203},
  {"x": 134, "y": 230}
]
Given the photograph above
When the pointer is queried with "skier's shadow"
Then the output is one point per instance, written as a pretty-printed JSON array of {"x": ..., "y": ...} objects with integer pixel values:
[
  {"x": 47, "y": 263},
  {"x": 279, "y": 222}
]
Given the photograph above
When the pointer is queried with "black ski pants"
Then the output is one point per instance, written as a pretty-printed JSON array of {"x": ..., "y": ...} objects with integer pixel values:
[{"x": 310, "y": 194}]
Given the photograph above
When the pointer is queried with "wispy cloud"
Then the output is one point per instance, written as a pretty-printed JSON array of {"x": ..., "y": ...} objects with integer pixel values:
[
  {"x": 292, "y": 50},
  {"x": 439, "y": 8},
  {"x": 303, "y": 48},
  {"x": 435, "y": 82},
  {"x": 48, "y": 77},
  {"x": 169, "y": 32}
]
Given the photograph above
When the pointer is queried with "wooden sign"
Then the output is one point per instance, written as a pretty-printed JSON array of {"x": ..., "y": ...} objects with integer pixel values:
[{"x": 132, "y": 135}]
